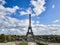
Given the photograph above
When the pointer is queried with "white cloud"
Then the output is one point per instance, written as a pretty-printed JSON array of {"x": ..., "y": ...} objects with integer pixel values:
[
  {"x": 23, "y": 13},
  {"x": 2, "y": 2},
  {"x": 56, "y": 21},
  {"x": 14, "y": 27},
  {"x": 53, "y": 6},
  {"x": 10, "y": 25},
  {"x": 37, "y": 22},
  {"x": 5, "y": 20},
  {"x": 38, "y": 8},
  {"x": 46, "y": 29},
  {"x": 28, "y": 11},
  {"x": 12, "y": 10},
  {"x": 5, "y": 11}
]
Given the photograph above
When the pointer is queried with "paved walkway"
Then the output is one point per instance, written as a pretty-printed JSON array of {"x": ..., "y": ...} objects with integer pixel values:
[
  {"x": 32, "y": 43},
  {"x": 29, "y": 43},
  {"x": 9, "y": 43},
  {"x": 53, "y": 43}
]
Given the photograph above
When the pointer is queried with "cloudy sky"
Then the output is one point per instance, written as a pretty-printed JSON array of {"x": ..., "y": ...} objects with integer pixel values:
[{"x": 45, "y": 16}]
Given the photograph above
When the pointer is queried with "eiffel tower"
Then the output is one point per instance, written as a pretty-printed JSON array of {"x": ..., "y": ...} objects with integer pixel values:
[{"x": 30, "y": 35}]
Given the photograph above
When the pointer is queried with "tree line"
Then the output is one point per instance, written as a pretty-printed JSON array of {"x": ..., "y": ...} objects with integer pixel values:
[
  {"x": 9, "y": 38},
  {"x": 46, "y": 38}
]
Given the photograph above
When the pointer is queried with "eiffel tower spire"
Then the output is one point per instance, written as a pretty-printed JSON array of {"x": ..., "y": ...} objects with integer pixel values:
[
  {"x": 30, "y": 35},
  {"x": 29, "y": 20}
]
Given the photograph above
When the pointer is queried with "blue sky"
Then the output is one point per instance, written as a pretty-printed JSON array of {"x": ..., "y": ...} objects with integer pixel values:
[
  {"x": 46, "y": 17},
  {"x": 14, "y": 12}
]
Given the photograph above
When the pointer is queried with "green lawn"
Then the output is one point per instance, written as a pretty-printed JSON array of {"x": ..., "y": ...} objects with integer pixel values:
[{"x": 23, "y": 43}]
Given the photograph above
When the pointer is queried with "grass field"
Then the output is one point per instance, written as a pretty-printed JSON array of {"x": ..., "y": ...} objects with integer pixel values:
[{"x": 23, "y": 43}]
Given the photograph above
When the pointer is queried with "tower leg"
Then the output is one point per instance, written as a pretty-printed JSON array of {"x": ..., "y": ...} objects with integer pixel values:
[{"x": 30, "y": 35}]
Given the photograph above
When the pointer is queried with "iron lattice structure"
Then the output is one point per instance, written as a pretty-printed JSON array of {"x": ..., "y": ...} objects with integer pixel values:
[{"x": 30, "y": 35}]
